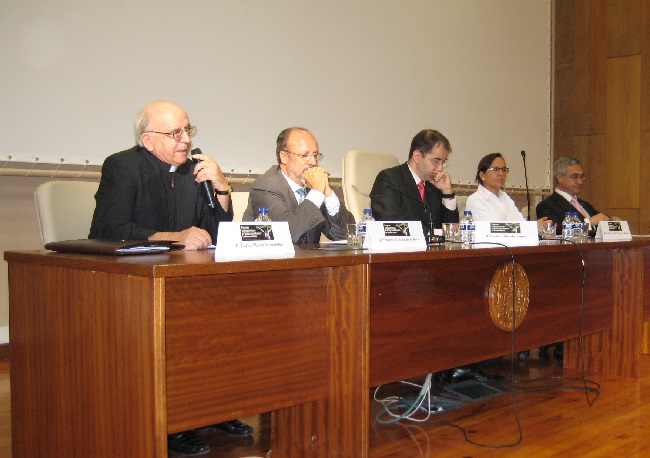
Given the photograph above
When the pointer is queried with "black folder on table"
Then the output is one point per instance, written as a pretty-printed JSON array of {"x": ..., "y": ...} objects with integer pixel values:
[{"x": 113, "y": 247}]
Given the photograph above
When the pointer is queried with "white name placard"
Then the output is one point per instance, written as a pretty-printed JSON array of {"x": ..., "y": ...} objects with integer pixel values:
[
  {"x": 394, "y": 236},
  {"x": 251, "y": 239},
  {"x": 508, "y": 233},
  {"x": 613, "y": 231}
]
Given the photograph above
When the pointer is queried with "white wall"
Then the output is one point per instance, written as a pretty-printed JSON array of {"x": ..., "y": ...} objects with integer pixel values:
[{"x": 360, "y": 74}]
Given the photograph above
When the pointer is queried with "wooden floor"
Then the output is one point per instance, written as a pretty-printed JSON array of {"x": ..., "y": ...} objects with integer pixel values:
[{"x": 557, "y": 422}]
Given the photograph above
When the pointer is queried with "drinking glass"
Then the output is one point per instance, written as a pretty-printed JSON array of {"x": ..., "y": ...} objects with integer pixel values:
[
  {"x": 354, "y": 237},
  {"x": 548, "y": 229}
]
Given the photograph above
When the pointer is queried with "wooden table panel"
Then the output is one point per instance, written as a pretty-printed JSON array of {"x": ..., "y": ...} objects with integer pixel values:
[
  {"x": 241, "y": 344},
  {"x": 84, "y": 358},
  {"x": 108, "y": 350},
  {"x": 433, "y": 314}
]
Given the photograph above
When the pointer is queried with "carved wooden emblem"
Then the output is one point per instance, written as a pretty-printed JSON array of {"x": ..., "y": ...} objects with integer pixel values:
[{"x": 500, "y": 296}]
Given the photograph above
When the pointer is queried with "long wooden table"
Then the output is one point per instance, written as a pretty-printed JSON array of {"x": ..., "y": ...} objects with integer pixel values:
[{"x": 110, "y": 354}]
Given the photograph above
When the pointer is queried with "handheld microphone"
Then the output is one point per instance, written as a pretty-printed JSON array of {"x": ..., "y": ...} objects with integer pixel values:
[
  {"x": 523, "y": 157},
  {"x": 423, "y": 203},
  {"x": 207, "y": 184}
]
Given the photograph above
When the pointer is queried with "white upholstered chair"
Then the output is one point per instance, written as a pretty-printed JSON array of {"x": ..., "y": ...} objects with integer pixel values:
[
  {"x": 360, "y": 168},
  {"x": 239, "y": 203},
  {"x": 65, "y": 209}
]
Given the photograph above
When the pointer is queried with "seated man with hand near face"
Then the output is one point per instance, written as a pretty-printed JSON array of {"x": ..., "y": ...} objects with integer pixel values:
[
  {"x": 420, "y": 190},
  {"x": 297, "y": 190}
]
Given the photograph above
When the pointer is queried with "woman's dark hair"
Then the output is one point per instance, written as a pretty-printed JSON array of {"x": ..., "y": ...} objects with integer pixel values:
[{"x": 485, "y": 164}]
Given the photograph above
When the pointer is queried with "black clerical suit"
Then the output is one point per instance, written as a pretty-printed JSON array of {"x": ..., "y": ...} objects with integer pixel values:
[
  {"x": 395, "y": 197},
  {"x": 136, "y": 199}
]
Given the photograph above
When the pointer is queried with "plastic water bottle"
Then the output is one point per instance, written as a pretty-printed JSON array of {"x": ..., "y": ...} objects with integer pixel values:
[
  {"x": 367, "y": 216},
  {"x": 577, "y": 225},
  {"x": 568, "y": 226},
  {"x": 263, "y": 215},
  {"x": 467, "y": 228}
]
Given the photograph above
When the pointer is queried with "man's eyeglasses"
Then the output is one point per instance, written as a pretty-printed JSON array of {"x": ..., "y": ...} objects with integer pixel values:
[
  {"x": 177, "y": 134},
  {"x": 577, "y": 176},
  {"x": 498, "y": 169},
  {"x": 437, "y": 162},
  {"x": 306, "y": 157}
]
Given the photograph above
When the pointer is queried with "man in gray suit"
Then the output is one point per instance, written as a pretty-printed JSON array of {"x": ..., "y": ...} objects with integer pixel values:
[{"x": 298, "y": 191}]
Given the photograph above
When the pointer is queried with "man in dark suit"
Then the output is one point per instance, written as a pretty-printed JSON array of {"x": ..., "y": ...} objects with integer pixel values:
[
  {"x": 152, "y": 192},
  {"x": 397, "y": 192},
  {"x": 569, "y": 178},
  {"x": 297, "y": 190},
  {"x": 420, "y": 190}
]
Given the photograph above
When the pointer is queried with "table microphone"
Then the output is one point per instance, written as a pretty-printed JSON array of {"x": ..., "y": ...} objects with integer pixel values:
[
  {"x": 207, "y": 184},
  {"x": 523, "y": 157},
  {"x": 426, "y": 207}
]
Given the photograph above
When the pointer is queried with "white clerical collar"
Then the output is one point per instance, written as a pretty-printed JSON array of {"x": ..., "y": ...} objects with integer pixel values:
[{"x": 173, "y": 168}]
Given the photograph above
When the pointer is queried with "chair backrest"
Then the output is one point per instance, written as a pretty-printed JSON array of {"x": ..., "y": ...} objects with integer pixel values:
[
  {"x": 239, "y": 201},
  {"x": 65, "y": 209},
  {"x": 360, "y": 168},
  {"x": 533, "y": 211}
]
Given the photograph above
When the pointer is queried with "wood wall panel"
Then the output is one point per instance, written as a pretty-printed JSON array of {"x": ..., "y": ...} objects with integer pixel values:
[
  {"x": 623, "y": 27},
  {"x": 597, "y": 171},
  {"x": 623, "y": 131},
  {"x": 563, "y": 111},
  {"x": 563, "y": 32},
  {"x": 597, "y": 67},
  {"x": 644, "y": 171},
  {"x": 615, "y": 54},
  {"x": 645, "y": 68},
  {"x": 581, "y": 151},
  {"x": 581, "y": 72}
]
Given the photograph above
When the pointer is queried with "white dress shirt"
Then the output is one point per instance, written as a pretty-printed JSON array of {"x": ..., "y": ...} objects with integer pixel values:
[
  {"x": 486, "y": 206},
  {"x": 332, "y": 203}
]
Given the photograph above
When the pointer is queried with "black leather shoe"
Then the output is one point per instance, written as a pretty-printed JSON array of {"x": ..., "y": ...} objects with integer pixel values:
[
  {"x": 187, "y": 443},
  {"x": 543, "y": 352},
  {"x": 471, "y": 372},
  {"x": 558, "y": 352},
  {"x": 232, "y": 427}
]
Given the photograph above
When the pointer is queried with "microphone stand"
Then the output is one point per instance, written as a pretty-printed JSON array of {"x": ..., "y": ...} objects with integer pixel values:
[{"x": 523, "y": 156}]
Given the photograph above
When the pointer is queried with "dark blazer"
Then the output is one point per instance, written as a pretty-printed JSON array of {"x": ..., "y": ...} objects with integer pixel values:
[
  {"x": 272, "y": 191},
  {"x": 555, "y": 208},
  {"x": 395, "y": 197},
  {"x": 135, "y": 199}
]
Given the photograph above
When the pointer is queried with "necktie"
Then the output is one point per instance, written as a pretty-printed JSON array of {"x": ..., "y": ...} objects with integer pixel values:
[
  {"x": 579, "y": 207},
  {"x": 421, "y": 189},
  {"x": 301, "y": 194}
]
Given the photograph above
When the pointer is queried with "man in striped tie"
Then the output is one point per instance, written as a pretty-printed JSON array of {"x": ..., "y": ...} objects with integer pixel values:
[
  {"x": 569, "y": 178},
  {"x": 297, "y": 190}
]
